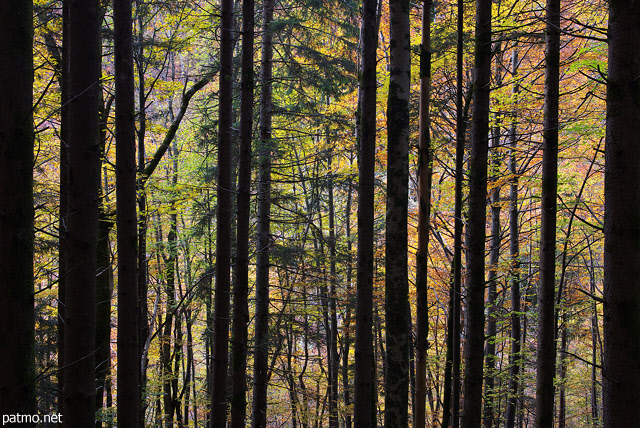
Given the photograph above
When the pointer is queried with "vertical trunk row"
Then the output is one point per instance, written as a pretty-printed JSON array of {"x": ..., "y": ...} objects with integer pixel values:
[
  {"x": 546, "y": 350},
  {"x": 364, "y": 379},
  {"x": 127, "y": 220},
  {"x": 17, "y": 341},
  {"x": 476, "y": 234},
  {"x": 621, "y": 372},
  {"x": 223, "y": 260},
  {"x": 424, "y": 212}
]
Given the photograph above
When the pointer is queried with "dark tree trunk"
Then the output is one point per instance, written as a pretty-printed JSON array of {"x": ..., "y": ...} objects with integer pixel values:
[
  {"x": 451, "y": 400},
  {"x": 143, "y": 310},
  {"x": 364, "y": 379},
  {"x": 346, "y": 327},
  {"x": 490, "y": 404},
  {"x": 546, "y": 351},
  {"x": 424, "y": 211},
  {"x": 64, "y": 194},
  {"x": 104, "y": 281},
  {"x": 261, "y": 352},
  {"x": 82, "y": 225},
  {"x": 621, "y": 371},
  {"x": 396, "y": 281},
  {"x": 223, "y": 253},
  {"x": 562, "y": 400},
  {"x": 514, "y": 250},
  {"x": 17, "y": 317},
  {"x": 241, "y": 286},
  {"x": 334, "y": 361},
  {"x": 476, "y": 233},
  {"x": 127, "y": 220}
]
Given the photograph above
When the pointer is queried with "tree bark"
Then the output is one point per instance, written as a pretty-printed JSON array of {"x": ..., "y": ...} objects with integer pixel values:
[
  {"x": 621, "y": 371},
  {"x": 84, "y": 182},
  {"x": 364, "y": 379},
  {"x": 476, "y": 234},
  {"x": 514, "y": 250},
  {"x": 241, "y": 286},
  {"x": 17, "y": 315},
  {"x": 546, "y": 351},
  {"x": 127, "y": 219},
  {"x": 451, "y": 400},
  {"x": 396, "y": 276},
  {"x": 64, "y": 194},
  {"x": 261, "y": 352},
  {"x": 425, "y": 160},
  {"x": 223, "y": 243},
  {"x": 490, "y": 404}
]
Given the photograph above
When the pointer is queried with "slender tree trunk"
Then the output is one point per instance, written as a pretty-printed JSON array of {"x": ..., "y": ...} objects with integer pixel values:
[
  {"x": 17, "y": 315},
  {"x": 346, "y": 327},
  {"x": 424, "y": 212},
  {"x": 476, "y": 234},
  {"x": 451, "y": 405},
  {"x": 546, "y": 351},
  {"x": 562, "y": 400},
  {"x": 621, "y": 371},
  {"x": 127, "y": 220},
  {"x": 364, "y": 379},
  {"x": 514, "y": 253},
  {"x": 595, "y": 334},
  {"x": 64, "y": 195},
  {"x": 104, "y": 280},
  {"x": 223, "y": 243},
  {"x": 490, "y": 403},
  {"x": 334, "y": 361},
  {"x": 396, "y": 280},
  {"x": 241, "y": 286},
  {"x": 261, "y": 352}
]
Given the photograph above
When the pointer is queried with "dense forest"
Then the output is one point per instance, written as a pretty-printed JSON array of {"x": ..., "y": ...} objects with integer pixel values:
[{"x": 320, "y": 213}]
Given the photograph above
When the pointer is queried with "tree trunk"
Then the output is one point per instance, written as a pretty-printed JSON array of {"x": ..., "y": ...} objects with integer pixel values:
[
  {"x": 451, "y": 400},
  {"x": 334, "y": 361},
  {"x": 143, "y": 310},
  {"x": 223, "y": 243},
  {"x": 261, "y": 352},
  {"x": 621, "y": 371},
  {"x": 364, "y": 379},
  {"x": 476, "y": 233},
  {"x": 346, "y": 327},
  {"x": 514, "y": 250},
  {"x": 490, "y": 404},
  {"x": 396, "y": 281},
  {"x": 546, "y": 351},
  {"x": 127, "y": 220},
  {"x": 425, "y": 160},
  {"x": 82, "y": 226},
  {"x": 241, "y": 286},
  {"x": 17, "y": 315},
  {"x": 64, "y": 194},
  {"x": 104, "y": 281}
]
